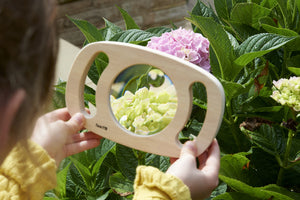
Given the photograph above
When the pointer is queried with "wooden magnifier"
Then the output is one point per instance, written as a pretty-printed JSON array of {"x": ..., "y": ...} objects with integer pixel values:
[{"x": 183, "y": 75}]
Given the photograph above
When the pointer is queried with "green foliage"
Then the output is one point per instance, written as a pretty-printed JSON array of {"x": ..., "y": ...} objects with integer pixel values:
[{"x": 252, "y": 43}]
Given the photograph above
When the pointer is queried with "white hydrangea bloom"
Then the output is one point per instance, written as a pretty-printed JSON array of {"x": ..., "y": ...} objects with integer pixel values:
[
  {"x": 287, "y": 92},
  {"x": 147, "y": 111}
]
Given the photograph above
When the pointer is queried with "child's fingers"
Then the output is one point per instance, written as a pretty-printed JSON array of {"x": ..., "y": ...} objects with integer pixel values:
[
  {"x": 213, "y": 160},
  {"x": 188, "y": 154},
  {"x": 78, "y": 147},
  {"x": 85, "y": 136},
  {"x": 76, "y": 123},
  {"x": 202, "y": 159},
  {"x": 188, "y": 149},
  {"x": 59, "y": 114}
]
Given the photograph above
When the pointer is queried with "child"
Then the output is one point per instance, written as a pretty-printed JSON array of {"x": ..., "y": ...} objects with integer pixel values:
[{"x": 32, "y": 147}]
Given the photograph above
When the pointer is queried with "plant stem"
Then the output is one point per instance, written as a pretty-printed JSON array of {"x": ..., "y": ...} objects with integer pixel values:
[
  {"x": 284, "y": 164},
  {"x": 232, "y": 124},
  {"x": 141, "y": 157}
]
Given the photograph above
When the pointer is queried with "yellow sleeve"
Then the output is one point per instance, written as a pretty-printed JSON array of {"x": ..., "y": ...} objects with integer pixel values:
[
  {"x": 150, "y": 183},
  {"x": 27, "y": 173}
]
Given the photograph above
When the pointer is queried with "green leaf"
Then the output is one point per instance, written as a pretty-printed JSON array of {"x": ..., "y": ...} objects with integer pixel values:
[
  {"x": 220, "y": 43},
  {"x": 160, "y": 162},
  {"x": 109, "y": 30},
  {"x": 83, "y": 170},
  {"x": 221, "y": 189},
  {"x": 111, "y": 161},
  {"x": 61, "y": 181},
  {"x": 93, "y": 74},
  {"x": 75, "y": 181},
  {"x": 50, "y": 198},
  {"x": 214, "y": 63},
  {"x": 291, "y": 177},
  {"x": 106, "y": 148},
  {"x": 295, "y": 151},
  {"x": 281, "y": 190},
  {"x": 120, "y": 184},
  {"x": 287, "y": 16},
  {"x": 259, "y": 193},
  {"x": 279, "y": 31},
  {"x": 233, "y": 89},
  {"x": 268, "y": 109},
  {"x": 295, "y": 45},
  {"x": 105, "y": 195},
  {"x": 82, "y": 158},
  {"x": 199, "y": 93},
  {"x": 259, "y": 45},
  {"x": 101, "y": 63},
  {"x": 164, "y": 163},
  {"x": 271, "y": 139},
  {"x": 268, "y": 21},
  {"x": 89, "y": 98},
  {"x": 127, "y": 161},
  {"x": 101, "y": 180},
  {"x": 193, "y": 128},
  {"x": 249, "y": 13},
  {"x": 233, "y": 196},
  {"x": 96, "y": 153},
  {"x": 268, "y": 3},
  {"x": 158, "y": 31},
  {"x": 235, "y": 166},
  {"x": 233, "y": 40},
  {"x": 135, "y": 77},
  {"x": 90, "y": 31},
  {"x": 97, "y": 67},
  {"x": 294, "y": 64},
  {"x": 228, "y": 142},
  {"x": 298, "y": 5},
  {"x": 130, "y": 23},
  {"x": 241, "y": 31},
  {"x": 200, "y": 9},
  {"x": 58, "y": 98},
  {"x": 294, "y": 70},
  {"x": 223, "y": 8},
  {"x": 132, "y": 35},
  {"x": 263, "y": 166}
]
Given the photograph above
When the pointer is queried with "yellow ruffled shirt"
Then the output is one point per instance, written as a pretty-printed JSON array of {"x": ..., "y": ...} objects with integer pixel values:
[
  {"x": 150, "y": 183},
  {"x": 28, "y": 172}
]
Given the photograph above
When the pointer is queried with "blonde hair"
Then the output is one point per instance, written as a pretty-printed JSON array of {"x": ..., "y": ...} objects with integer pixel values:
[{"x": 28, "y": 51}]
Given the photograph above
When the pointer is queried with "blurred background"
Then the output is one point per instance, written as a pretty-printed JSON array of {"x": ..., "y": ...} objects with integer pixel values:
[{"x": 146, "y": 13}]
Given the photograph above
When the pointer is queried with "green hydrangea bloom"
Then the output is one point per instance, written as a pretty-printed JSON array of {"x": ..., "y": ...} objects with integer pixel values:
[
  {"x": 146, "y": 112},
  {"x": 287, "y": 92}
]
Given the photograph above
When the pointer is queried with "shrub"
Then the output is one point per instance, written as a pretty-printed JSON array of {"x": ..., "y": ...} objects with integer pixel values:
[{"x": 252, "y": 44}]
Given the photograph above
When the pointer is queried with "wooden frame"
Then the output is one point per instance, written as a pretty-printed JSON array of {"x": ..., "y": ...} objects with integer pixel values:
[{"x": 182, "y": 73}]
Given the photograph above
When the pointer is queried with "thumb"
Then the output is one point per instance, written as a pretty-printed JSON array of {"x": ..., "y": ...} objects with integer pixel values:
[
  {"x": 76, "y": 122},
  {"x": 188, "y": 149}
]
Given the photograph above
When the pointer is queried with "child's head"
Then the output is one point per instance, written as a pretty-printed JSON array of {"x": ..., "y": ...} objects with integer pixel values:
[{"x": 28, "y": 49}]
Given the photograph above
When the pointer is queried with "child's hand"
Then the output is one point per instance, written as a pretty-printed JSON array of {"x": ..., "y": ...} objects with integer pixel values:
[
  {"x": 57, "y": 133},
  {"x": 203, "y": 180}
]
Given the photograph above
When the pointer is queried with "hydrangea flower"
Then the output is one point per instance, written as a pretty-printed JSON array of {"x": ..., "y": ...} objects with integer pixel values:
[
  {"x": 184, "y": 44},
  {"x": 146, "y": 112},
  {"x": 287, "y": 92}
]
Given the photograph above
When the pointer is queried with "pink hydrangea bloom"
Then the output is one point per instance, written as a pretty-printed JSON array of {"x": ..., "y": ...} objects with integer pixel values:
[{"x": 184, "y": 44}]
